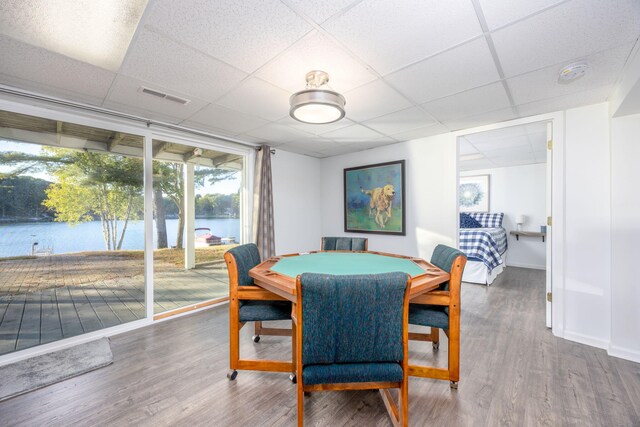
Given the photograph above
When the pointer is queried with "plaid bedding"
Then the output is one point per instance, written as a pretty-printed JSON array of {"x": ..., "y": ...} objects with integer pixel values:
[{"x": 484, "y": 244}]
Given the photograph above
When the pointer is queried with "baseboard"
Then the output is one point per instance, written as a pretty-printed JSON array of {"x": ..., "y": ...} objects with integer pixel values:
[
  {"x": 586, "y": 339},
  {"x": 624, "y": 353},
  {"x": 535, "y": 267}
]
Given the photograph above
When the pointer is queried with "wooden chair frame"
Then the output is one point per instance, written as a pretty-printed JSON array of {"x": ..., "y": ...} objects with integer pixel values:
[
  {"x": 399, "y": 413},
  {"x": 451, "y": 299},
  {"x": 237, "y": 293}
]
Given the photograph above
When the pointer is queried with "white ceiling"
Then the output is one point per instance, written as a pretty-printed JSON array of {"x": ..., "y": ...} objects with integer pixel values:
[
  {"x": 407, "y": 69},
  {"x": 510, "y": 146}
]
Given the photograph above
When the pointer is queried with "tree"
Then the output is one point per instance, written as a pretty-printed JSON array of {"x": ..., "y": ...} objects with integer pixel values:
[
  {"x": 169, "y": 177},
  {"x": 89, "y": 186},
  {"x": 98, "y": 185}
]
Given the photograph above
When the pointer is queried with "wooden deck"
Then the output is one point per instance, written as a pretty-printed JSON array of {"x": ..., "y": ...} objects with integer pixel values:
[{"x": 39, "y": 316}]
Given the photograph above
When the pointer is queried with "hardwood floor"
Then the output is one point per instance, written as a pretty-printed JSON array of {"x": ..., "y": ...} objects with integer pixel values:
[{"x": 513, "y": 372}]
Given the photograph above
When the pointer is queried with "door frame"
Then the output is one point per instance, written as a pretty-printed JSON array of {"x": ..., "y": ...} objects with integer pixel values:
[{"x": 554, "y": 317}]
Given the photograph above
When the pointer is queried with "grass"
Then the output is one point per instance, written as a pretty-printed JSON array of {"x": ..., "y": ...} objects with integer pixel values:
[
  {"x": 169, "y": 256},
  {"x": 360, "y": 220}
]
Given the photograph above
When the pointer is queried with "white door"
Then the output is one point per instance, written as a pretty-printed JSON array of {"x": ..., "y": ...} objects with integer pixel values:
[{"x": 549, "y": 228}]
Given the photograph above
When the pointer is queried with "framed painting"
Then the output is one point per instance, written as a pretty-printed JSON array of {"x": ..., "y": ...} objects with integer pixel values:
[
  {"x": 374, "y": 199},
  {"x": 474, "y": 193}
]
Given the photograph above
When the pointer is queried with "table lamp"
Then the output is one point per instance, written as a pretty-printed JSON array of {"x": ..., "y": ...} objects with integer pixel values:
[{"x": 520, "y": 219}]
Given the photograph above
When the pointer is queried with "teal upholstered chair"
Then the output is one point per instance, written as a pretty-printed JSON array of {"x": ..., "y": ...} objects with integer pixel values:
[
  {"x": 351, "y": 334},
  {"x": 344, "y": 244},
  {"x": 440, "y": 309},
  {"x": 250, "y": 303}
]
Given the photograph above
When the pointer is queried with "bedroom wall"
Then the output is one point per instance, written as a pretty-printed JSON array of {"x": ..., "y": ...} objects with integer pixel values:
[
  {"x": 625, "y": 235},
  {"x": 519, "y": 190},
  {"x": 430, "y": 194},
  {"x": 296, "y": 199}
]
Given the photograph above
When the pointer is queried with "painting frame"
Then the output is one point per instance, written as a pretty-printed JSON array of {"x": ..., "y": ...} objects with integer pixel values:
[
  {"x": 480, "y": 187},
  {"x": 359, "y": 185}
]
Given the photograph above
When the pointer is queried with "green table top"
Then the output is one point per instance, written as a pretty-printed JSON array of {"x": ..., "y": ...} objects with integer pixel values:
[{"x": 344, "y": 263}]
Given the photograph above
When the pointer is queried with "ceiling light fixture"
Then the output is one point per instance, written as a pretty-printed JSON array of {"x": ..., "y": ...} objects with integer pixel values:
[{"x": 316, "y": 105}]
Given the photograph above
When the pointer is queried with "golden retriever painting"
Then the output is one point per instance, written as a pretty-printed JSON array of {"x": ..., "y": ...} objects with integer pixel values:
[
  {"x": 380, "y": 200},
  {"x": 374, "y": 199}
]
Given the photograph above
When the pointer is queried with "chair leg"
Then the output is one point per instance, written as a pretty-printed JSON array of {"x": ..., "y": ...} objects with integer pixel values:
[
  {"x": 234, "y": 342},
  {"x": 257, "y": 329},
  {"x": 454, "y": 356},
  {"x": 294, "y": 366},
  {"x": 435, "y": 338},
  {"x": 403, "y": 403},
  {"x": 300, "y": 394}
]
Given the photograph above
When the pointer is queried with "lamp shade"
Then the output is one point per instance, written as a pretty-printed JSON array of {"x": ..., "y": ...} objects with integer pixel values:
[
  {"x": 317, "y": 106},
  {"x": 520, "y": 219}
]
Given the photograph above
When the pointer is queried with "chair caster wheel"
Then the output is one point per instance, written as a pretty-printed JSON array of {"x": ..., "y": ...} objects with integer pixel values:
[
  {"x": 256, "y": 338},
  {"x": 293, "y": 378},
  {"x": 232, "y": 374},
  {"x": 453, "y": 385},
  {"x": 436, "y": 346}
]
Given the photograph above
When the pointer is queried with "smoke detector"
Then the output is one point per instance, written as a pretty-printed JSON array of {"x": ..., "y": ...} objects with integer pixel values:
[{"x": 573, "y": 72}]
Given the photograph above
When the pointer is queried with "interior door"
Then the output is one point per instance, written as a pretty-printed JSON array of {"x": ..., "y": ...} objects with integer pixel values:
[{"x": 549, "y": 285}]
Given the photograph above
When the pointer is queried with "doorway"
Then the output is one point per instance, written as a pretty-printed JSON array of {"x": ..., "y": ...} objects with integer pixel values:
[{"x": 504, "y": 203}]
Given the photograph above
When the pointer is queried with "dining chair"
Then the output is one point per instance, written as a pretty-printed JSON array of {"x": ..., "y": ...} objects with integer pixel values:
[
  {"x": 344, "y": 244},
  {"x": 251, "y": 303},
  {"x": 351, "y": 334},
  {"x": 440, "y": 309}
]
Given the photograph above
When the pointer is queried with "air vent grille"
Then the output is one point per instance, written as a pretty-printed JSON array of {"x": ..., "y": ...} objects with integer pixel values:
[{"x": 163, "y": 95}]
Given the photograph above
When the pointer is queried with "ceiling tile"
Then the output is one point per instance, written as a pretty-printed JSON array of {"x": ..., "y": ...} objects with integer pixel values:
[
  {"x": 465, "y": 147},
  {"x": 519, "y": 143},
  {"x": 160, "y": 60},
  {"x": 422, "y": 132},
  {"x": 39, "y": 70},
  {"x": 570, "y": 30},
  {"x": 217, "y": 117},
  {"x": 319, "y": 10},
  {"x": 373, "y": 100},
  {"x": 373, "y": 143},
  {"x": 315, "y": 129},
  {"x": 498, "y": 13},
  {"x": 258, "y": 98},
  {"x": 475, "y": 101},
  {"x": 470, "y": 165},
  {"x": 125, "y": 96},
  {"x": 390, "y": 35},
  {"x": 604, "y": 69},
  {"x": 95, "y": 32},
  {"x": 591, "y": 96},
  {"x": 508, "y": 132},
  {"x": 401, "y": 121},
  {"x": 481, "y": 119},
  {"x": 317, "y": 148},
  {"x": 454, "y": 71},
  {"x": 352, "y": 134},
  {"x": 241, "y": 34},
  {"x": 315, "y": 52},
  {"x": 277, "y": 133}
]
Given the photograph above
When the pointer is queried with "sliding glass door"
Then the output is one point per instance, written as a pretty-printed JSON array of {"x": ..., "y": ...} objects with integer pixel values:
[
  {"x": 71, "y": 230},
  {"x": 196, "y": 219}
]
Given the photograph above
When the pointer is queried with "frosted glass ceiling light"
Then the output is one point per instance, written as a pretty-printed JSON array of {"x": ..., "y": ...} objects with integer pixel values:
[{"x": 316, "y": 105}]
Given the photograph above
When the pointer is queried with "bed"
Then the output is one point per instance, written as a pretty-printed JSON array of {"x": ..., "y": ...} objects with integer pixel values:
[{"x": 485, "y": 246}]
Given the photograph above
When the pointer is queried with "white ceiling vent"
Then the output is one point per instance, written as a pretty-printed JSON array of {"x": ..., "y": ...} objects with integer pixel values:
[{"x": 163, "y": 95}]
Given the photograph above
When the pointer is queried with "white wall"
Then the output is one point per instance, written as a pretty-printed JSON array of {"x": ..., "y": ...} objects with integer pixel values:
[
  {"x": 520, "y": 190},
  {"x": 297, "y": 204},
  {"x": 430, "y": 194},
  {"x": 625, "y": 236},
  {"x": 587, "y": 219}
]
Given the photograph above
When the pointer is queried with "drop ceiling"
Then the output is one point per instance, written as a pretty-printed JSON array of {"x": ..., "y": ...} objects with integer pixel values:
[
  {"x": 505, "y": 147},
  {"x": 408, "y": 69}
]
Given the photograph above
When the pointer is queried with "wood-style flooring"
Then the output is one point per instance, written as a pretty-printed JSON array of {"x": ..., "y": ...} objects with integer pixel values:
[{"x": 513, "y": 372}]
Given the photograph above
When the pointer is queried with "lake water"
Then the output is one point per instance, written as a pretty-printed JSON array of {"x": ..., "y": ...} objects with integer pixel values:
[{"x": 16, "y": 239}]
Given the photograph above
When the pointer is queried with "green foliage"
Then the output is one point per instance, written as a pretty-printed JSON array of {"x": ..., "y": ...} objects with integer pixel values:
[
  {"x": 22, "y": 197},
  {"x": 218, "y": 205}
]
